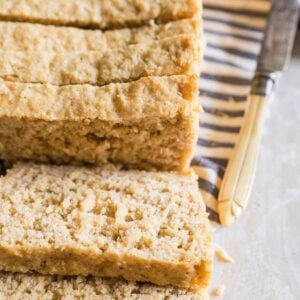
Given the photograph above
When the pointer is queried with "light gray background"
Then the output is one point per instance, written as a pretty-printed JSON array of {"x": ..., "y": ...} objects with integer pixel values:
[{"x": 265, "y": 241}]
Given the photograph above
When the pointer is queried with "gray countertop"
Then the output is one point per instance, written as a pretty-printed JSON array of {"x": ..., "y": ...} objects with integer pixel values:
[{"x": 265, "y": 241}]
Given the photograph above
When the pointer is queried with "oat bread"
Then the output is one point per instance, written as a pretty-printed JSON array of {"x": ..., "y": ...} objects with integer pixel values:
[
  {"x": 172, "y": 56},
  {"x": 37, "y": 37},
  {"x": 97, "y": 13},
  {"x": 142, "y": 226},
  {"x": 32, "y": 287},
  {"x": 151, "y": 122}
]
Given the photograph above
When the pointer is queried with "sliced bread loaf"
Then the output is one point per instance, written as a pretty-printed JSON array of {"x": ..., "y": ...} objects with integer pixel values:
[
  {"x": 142, "y": 226},
  {"x": 151, "y": 122},
  {"x": 33, "y": 287},
  {"x": 96, "y": 13}
]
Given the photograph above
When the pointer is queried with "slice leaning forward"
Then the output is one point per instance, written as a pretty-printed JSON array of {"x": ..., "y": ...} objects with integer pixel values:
[{"x": 142, "y": 226}]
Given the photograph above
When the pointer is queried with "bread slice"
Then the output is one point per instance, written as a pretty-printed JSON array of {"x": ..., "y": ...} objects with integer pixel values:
[
  {"x": 96, "y": 13},
  {"x": 172, "y": 56},
  {"x": 32, "y": 286},
  {"x": 142, "y": 226},
  {"x": 37, "y": 37},
  {"x": 148, "y": 123}
]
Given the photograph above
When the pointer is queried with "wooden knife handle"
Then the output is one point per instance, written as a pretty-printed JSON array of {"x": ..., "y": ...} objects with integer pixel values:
[{"x": 239, "y": 175}]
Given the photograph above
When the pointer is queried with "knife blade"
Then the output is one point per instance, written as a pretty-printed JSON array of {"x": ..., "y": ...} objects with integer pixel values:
[{"x": 277, "y": 46}]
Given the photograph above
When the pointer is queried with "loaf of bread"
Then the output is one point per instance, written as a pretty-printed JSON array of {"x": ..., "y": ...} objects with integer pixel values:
[
  {"x": 37, "y": 37},
  {"x": 173, "y": 56},
  {"x": 148, "y": 123},
  {"x": 32, "y": 287},
  {"x": 97, "y": 13},
  {"x": 102, "y": 221}
]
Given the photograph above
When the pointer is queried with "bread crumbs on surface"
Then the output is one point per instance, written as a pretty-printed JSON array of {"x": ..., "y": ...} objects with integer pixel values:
[
  {"x": 222, "y": 255},
  {"x": 219, "y": 291}
]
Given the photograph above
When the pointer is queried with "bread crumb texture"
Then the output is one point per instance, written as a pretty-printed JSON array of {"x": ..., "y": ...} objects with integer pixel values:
[
  {"x": 142, "y": 226},
  {"x": 33, "y": 286}
]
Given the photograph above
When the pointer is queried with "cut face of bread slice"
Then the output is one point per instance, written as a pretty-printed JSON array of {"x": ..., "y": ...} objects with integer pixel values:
[
  {"x": 151, "y": 122},
  {"x": 142, "y": 226},
  {"x": 98, "y": 14},
  {"x": 172, "y": 56},
  {"x": 39, "y": 38},
  {"x": 32, "y": 286}
]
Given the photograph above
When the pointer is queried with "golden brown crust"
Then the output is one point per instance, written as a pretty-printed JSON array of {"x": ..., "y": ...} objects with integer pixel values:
[
  {"x": 172, "y": 56},
  {"x": 144, "y": 226},
  {"x": 146, "y": 97},
  {"x": 99, "y": 14},
  {"x": 37, "y": 37}
]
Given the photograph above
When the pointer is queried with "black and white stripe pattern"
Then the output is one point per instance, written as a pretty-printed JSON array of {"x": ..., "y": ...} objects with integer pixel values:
[{"x": 234, "y": 33}]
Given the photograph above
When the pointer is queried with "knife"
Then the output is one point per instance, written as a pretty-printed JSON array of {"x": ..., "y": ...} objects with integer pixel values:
[{"x": 274, "y": 58}]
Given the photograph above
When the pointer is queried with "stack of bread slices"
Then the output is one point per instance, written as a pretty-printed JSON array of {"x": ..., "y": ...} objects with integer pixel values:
[{"x": 98, "y": 125}]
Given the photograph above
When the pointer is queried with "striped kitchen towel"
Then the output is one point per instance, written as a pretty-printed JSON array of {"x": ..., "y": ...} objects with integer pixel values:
[{"x": 234, "y": 32}]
